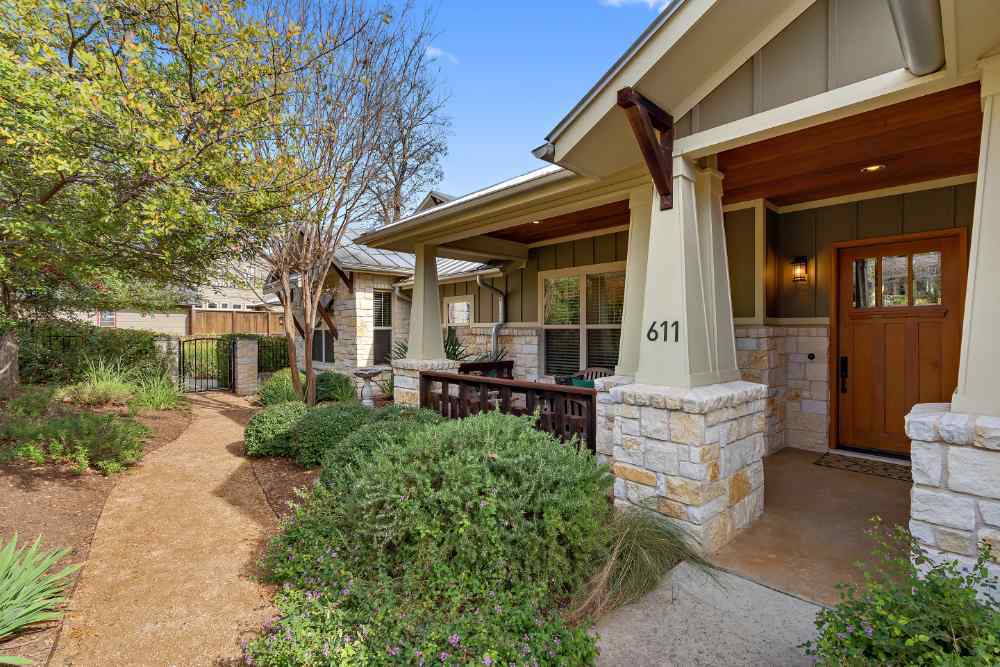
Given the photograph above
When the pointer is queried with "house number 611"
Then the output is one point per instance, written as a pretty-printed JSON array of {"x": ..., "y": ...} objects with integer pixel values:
[{"x": 671, "y": 331}]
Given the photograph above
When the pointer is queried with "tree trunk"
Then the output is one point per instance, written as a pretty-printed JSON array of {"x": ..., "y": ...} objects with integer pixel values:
[
  {"x": 309, "y": 324},
  {"x": 288, "y": 306}
]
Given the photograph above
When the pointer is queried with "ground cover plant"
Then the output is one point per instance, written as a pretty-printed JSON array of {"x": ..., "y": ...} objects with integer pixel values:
[
  {"x": 39, "y": 429},
  {"x": 912, "y": 611},
  {"x": 29, "y": 593},
  {"x": 458, "y": 543},
  {"x": 278, "y": 388}
]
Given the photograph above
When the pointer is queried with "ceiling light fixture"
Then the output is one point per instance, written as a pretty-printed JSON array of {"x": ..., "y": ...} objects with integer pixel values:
[
  {"x": 872, "y": 168},
  {"x": 536, "y": 222}
]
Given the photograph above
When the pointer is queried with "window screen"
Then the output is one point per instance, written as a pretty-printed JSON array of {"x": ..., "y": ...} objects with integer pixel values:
[
  {"x": 562, "y": 300},
  {"x": 602, "y": 348},
  {"x": 605, "y": 297},
  {"x": 562, "y": 351},
  {"x": 383, "y": 345},
  {"x": 382, "y": 309}
]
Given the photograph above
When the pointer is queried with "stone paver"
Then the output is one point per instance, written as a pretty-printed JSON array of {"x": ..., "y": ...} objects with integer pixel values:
[
  {"x": 169, "y": 578},
  {"x": 693, "y": 619}
]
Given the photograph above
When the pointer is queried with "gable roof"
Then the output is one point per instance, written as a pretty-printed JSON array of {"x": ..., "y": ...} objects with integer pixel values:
[{"x": 431, "y": 199}]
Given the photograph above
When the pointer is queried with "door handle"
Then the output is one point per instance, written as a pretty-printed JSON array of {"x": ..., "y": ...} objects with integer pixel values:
[{"x": 843, "y": 375}]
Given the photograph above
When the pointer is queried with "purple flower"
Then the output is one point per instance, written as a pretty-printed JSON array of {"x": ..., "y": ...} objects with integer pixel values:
[
  {"x": 326, "y": 649},
  {"x": 454, "y": 640},
  {"x": 443, "y": 655},
  {"x": 868, "y": 631},
  {"x": 557, "y": 641},
  {"x": 498, "y": 609},
  {"x": 393, "y": 650},
  {"x": 487, "y": 661},
  {"x": 850, "y": 629}
]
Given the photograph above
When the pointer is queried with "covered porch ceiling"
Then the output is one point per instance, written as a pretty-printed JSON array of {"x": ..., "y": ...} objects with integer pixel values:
[
  {"x": 930, "y": 137},
  {"x": 595, "y": 219}
]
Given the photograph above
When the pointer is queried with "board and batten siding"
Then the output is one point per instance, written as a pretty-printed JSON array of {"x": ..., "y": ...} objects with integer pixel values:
[
  {"x": 741, "y": 254},
  {"x": 831, "y": 44},
  {"x": 811, "y": 233},
  {"x": 521, "y": 286}
]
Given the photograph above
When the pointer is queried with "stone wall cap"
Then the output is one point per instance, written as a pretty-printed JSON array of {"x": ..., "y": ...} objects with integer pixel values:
[
  {"x": 425, "y": 364},
  {"x": 608, "y": 383},
  {"x": 935, "y": 422},
  {"x": 697, "y": 400}
]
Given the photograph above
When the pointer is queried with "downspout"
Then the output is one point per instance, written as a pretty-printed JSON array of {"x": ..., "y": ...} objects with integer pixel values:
[
  {"x": 495, "y": 334},
  {"x": 918, "y": 27},
  {"x": 398, "y": 291}
]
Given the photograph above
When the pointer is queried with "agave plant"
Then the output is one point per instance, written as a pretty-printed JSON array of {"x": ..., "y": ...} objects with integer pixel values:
[{"x": 28, "y": 593}]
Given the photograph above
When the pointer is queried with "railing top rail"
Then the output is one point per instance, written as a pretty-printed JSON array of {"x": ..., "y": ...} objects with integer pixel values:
[{"x": 503, "y": 382}]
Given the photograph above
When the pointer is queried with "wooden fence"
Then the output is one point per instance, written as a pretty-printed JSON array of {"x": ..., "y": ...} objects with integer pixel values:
[{"x": 235, "y": 321}]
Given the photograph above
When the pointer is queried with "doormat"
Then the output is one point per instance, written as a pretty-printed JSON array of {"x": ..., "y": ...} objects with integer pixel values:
[{"x": 866, "y": 466}]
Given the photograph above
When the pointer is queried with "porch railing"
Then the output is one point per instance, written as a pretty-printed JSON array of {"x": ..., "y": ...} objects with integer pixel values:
[
  {"x": 563, "y": 411},
  {"x": 496, "y": 369}
]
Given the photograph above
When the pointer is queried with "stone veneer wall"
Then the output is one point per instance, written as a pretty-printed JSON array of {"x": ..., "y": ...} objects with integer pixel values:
[
  {"x": 955, "y": 500},
  {"x": 245, "y": 380},
  {"x": 406, "y": 377},
  {"x": 694, "y": 455},
  {"x": 521, "y": 344},
  {"x": 760, "y": 355}
]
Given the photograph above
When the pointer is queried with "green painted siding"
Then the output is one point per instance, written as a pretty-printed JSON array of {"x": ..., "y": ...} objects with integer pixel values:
[
  {"x": 521, "y": 286},
  {"x": 740, "y": 245},
  {"x": 812, "y": 233}
]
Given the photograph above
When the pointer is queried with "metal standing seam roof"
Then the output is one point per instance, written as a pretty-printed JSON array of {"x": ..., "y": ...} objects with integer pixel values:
[{"x": 352, "y": 256}]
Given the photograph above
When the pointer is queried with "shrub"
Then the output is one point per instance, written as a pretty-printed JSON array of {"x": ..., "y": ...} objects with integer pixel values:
[
  {"x": 29, "y": 594},
  {"x": 108, "y": 443},
  {"x": 267, "y": 433},
  {"x": 456, "y": 546},
  {"x": 56, "y": 351},
  {"x": 388, "y": 427},
  {"x": 323, "y": 428},
  {"x": 912, "y": 611},
  {"x": 278, "y": 388},
  {"x": 332, "y": 386}
]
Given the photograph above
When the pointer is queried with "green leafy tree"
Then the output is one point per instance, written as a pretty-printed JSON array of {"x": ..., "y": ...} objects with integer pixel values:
[{"x": 125, "y": 142}]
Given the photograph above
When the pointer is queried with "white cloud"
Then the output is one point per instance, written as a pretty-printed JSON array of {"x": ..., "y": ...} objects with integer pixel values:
[
  {"x": 658, "y": 5},
  {"x": 434, "y": 53}
]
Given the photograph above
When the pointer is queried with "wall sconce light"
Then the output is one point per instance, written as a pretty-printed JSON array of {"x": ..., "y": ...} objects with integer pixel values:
[{"x": 800, "y": 269}]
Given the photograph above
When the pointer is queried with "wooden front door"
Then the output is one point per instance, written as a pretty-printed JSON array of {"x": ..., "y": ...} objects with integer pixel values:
[{"x": 899, "y": 312}]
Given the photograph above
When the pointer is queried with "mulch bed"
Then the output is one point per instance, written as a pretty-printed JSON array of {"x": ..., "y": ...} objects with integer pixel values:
[
  {"x": 63, "y": 508},
  {"x": 280, "y": 478}
]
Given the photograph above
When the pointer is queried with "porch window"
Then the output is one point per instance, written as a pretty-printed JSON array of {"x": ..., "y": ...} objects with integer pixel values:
[
  {"x": 323, "y": 350},
  {"x": 458, "y": 310},
  {"x": 582, "y": 317},
  {"x": 382, "y": 325}
]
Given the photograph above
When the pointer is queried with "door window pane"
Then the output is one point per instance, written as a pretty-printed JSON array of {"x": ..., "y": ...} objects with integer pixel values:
[
  {"x": 605, "y": 297},
  {"x": 864, "y": 283},
  {"x": 927, "y": 278},
  {"x": 895, "y": 280},
  {"x": 562, "y": 301}
]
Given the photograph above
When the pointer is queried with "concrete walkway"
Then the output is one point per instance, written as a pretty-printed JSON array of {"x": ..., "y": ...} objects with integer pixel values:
[
  {"x": 169, "y": 577},
  {"x": 692, "y": 619}
]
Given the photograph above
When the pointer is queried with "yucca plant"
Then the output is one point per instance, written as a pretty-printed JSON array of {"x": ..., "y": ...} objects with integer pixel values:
[
  {"x": 642, "y": 548},
  {"x": 28, "y": 593},
  {"x": 103, "y": 381}
]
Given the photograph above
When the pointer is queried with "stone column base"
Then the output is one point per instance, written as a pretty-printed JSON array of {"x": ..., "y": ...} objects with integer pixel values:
[
  {"x": 245, "y": 377},
  {"x": 8, "y": 365},
  {"x": 955, "y": 500},
  {"x": 694, "y": 455},
  {"x": 406, "y": 377}
]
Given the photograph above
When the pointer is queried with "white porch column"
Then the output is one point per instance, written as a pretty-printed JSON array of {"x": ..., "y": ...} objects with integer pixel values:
[
  {"x": 687, "y": 325},
  {"x": 426, "y": 339},
  {"x": 640, "y": 205},
  {"x": 979, "y": 364}
]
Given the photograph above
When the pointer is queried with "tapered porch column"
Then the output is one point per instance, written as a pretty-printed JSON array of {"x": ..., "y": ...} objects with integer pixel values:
[
  {"x": 978, "y": 391},
  {"x": 687, "y": 335},
  {"x": 640, "y": 205},
  {"x": 426, "y": 339}
]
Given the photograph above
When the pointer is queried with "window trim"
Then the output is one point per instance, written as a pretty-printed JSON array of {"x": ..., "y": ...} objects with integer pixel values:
[
  {"x": 576, "y": 271},
  {"x": 463, "y": 298},
  {"x": 114, "y": 319},
  {"x": 375, "y": 328}
]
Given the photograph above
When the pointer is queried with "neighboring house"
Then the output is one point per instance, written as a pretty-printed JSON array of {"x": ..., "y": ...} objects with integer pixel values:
[{"x": 766, "y": 191}]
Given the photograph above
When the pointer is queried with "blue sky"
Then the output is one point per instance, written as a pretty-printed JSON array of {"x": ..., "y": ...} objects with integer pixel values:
[{"x": 514, "y": 68}]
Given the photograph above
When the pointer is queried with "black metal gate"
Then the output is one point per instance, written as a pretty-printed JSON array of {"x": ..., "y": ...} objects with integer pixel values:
[{"x": 206, "y": 364}]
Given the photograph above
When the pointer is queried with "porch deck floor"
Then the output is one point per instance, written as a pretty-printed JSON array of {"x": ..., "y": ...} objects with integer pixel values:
[{"x": 813, "y": 528}]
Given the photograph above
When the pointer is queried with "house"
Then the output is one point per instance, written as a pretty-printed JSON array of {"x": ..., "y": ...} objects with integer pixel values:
[{"x": 779, "y": 224}]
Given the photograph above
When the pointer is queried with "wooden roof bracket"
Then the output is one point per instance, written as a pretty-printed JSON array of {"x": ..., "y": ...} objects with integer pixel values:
[
  {"x": 344, "y": 277},
  {"x": 646, "y": 120}
]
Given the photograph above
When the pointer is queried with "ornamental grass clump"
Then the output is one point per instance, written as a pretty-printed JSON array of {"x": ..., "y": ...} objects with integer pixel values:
[
  {"x": 268, "y": 432},
  {"x": 334, "y": 387},
  {"x": 912, "y": 610},
  {"x": 29, "y": 593},
  {"x": 458, "y": 544}
]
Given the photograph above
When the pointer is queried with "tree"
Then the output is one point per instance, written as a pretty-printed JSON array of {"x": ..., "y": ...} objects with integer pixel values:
[
  {"x": 414, "y": 139},
  {"x": 126, "y": 135},
  {"x": 343, "y": 101}
]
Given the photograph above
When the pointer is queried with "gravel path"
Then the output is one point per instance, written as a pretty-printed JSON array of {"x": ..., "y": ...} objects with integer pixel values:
[{"x": 170, "y": 578}]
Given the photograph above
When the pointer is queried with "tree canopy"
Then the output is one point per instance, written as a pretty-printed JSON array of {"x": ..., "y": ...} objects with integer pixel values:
[{"x": 127, "y": 134}]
